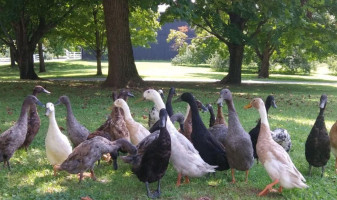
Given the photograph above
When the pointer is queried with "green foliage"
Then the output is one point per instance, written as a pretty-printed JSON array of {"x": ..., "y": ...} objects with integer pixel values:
[
  {"x": 218, "y": 63},
  {"x": 332, "y": 63},
  {"x": 143, "y": 26}
]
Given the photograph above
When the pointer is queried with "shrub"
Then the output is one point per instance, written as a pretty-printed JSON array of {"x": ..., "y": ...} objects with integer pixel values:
[{"x": 218, "y": 63}]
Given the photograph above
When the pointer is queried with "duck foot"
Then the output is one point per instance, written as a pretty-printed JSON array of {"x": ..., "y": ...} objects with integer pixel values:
[
  {"x": 268, "y": 188},
  {"x": 187, "y": 180},
  {"x": 92, "y": 175},
  {"x": 114, "y": 163},
  {"x": 323, "y": 167},
  {"x": 247, "y": 172},
  {"x": 155, "y": 194},
  {"x": 56, "y": 168},
  {"x": 8, "y": 165},
  {"x": 178, "y": 180},
  {"x": 233, "y": 176},
  {"x": 310, "y": 168}
]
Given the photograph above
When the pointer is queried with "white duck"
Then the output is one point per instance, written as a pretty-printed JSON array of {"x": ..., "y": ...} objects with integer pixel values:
[
  {"x": 185, "y": 158},
  {"x": 137, "y": 131},
  {"x": 57, "y": 144},
  {"x": 154, "y": 113},
  {"x": 274, "y": 158}
]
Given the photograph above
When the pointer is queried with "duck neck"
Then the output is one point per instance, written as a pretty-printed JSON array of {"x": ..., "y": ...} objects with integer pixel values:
[
  {"x": 263, "y": 116},
  {"x": 212, "y": 116},
  {"x": 219, "y": 112},
  {"x": 196, "y": 119},
  {"x": 23, "y": 119},
  {"x": 158, "y": 103},
  {"x": 233, "y": 118},
  {"x": 70, "y": 114},
  {"x": 127, "y": 113},
  {"x": 169, "y": 108},
  {"x": 52, "y": 121}
]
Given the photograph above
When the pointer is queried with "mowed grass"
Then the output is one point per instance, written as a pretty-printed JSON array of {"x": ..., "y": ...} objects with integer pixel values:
[
  {"x": 32, "y": 176},
  {"x": 157, "y": 70}
]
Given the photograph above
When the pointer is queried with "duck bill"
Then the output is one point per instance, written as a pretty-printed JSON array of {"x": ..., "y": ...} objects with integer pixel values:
[
  {"x": 248, "y": 106},
  {"x": 130, "y": 94},
  {"x": 58, "y": 102},
  {"x": 273, "y": 104},
  {"x": 38, "y": 102},
  {"x": 46, "y": 91},
  {"x": 219, "y": 101}
]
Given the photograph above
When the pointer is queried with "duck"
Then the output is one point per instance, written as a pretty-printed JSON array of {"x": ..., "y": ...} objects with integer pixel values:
[
  {"x": 210, "y": 150},
  {"x": 34, "y": 121},
  {"x": 279, "y": 135},
  {"x": 76, "y": 131},
  {"x": 188, "y": 119},
  {"x": 14, "y": 137},
  {"x": 254, "y": 133},
  {"x": 218, "y": 130},
  {"x": 115, "y": 125},
  {"x": 317, "y": 145},
  {"x": 84, "y": 156},
  {"x": 237, "y": 143},
  {"x": 137, "y": 131},
  {"x": 58, "y": 147},
  {"x": 333, "y": 142},
  {"x": 273, "y": 157},
  {"x": 185, "y": 158},
  {"x": 154, "y": 112},
  {"x": 152, "y": 158}
]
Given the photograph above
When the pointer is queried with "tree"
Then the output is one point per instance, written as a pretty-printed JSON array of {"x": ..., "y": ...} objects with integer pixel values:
[
  {"x": 30, "y": 21},
  {"x": 41, "y": 57}
]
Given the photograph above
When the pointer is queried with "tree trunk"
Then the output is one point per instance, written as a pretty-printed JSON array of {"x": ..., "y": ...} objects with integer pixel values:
[
  {"x": 235, "y": 64},
  {"x": 12, "y": 55},
  {"x": 25, "y": 51},
  {"x": 122, "y": 68},
  {"x": 41, "y": 58},
  {"x": 98, "y": 43},
  {"x": 99, "y": 62},
  {"x": 264, "y": 59}
]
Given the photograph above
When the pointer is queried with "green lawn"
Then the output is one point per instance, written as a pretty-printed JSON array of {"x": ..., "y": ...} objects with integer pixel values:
[
  {"x": 152, "y": 71},
  {"x": 32, "y": 176}
]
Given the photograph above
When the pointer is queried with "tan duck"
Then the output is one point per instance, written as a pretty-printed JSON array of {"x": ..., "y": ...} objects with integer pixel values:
[
  {"x": 34, "y": 121},
  {"x": 333, "y": 142},
  {"x": 220, "y": 119},
  {"x": 115, "y": 124},
  {"x": 13, "y": 138},
  {"x": 88, "y": 152},
  {"x": 137, "y": 131},
  {"x": 274, "y": 158}
]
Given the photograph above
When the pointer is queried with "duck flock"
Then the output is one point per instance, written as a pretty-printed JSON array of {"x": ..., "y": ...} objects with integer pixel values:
[{"x": 194, "y": 150}]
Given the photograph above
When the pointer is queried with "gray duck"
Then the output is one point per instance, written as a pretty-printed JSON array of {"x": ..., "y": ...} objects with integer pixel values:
[
  {"x": 238, "y": 144},
  {"x": 88, "y": 152},
  {"x": 317, "y": 146},
  {"x": 14, "y": 137},
  {"x": 34, "y": 121},
  {"x": 152, "y": 159},
  {"x": 76, "y": 131}
]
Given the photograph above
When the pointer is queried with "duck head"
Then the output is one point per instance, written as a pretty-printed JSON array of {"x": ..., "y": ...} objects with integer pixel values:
[
  {"x": 189, "y": 98},
  {"x": 151, "y": 95},
  {"x": 257, "y": 103},
  {"x": 225, "y": 94},
  {"x": 270, "y": 101},
  {"x": 39, "y": 89},
  {"x": 120, "y": 103},
  {"x": 162, "y": 117},
  {"x": 172, "y": 91},
  {"x": 63, "y": 99},
  {"x": 49, "y": 109},
  {"x": 124, "y": 94},
  {"x": 31, "y": 99},
  {"x": 323, "y": 101}
]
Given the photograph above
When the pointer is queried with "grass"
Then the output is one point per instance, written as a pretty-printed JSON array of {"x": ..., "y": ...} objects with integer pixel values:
[
  {"x": 153, "y": 71},
  {"x": 32, "y": 177}
]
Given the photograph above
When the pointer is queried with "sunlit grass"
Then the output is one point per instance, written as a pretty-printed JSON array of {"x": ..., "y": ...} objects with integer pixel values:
[{"x": 32, "y": 176}]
